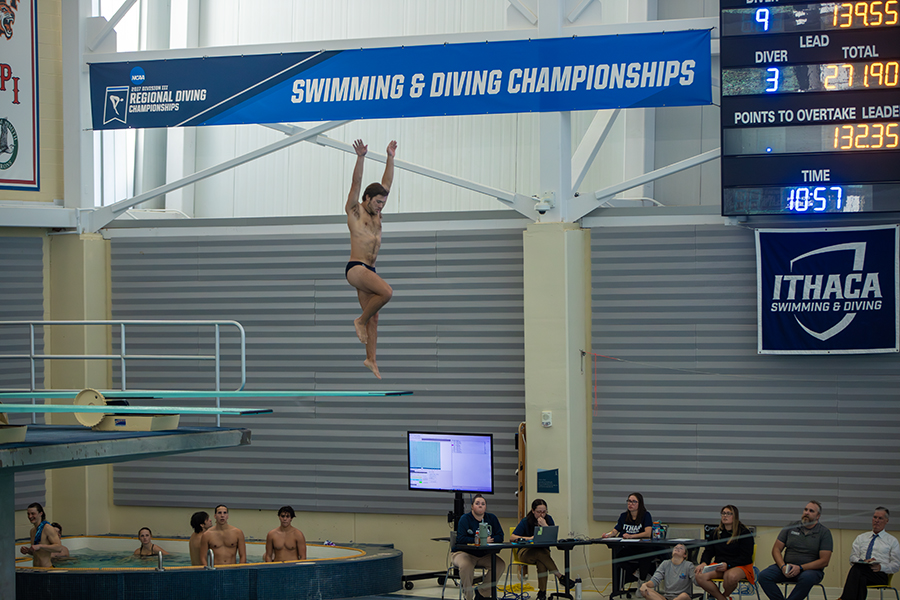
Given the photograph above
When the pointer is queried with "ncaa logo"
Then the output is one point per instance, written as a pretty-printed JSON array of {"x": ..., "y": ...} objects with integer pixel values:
[{"x": 137, "y": 76}]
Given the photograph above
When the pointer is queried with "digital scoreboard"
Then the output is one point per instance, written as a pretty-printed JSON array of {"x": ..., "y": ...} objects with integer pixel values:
[{"x": 810, "y": 106}]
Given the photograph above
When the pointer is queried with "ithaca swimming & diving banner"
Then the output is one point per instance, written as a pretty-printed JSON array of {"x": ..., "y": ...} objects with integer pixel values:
[
  {"x": 828, "y": 291},
  {"x": 544, "y": 75}
]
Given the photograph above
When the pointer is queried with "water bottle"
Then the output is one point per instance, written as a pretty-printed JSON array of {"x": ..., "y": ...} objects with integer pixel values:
[
  {"x": 483, "y": 533},
  {"x": 578, "y": 589},
  {"x": 656, "y": 532}
]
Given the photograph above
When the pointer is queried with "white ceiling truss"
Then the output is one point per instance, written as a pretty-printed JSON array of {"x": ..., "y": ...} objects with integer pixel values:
[{"x": 560, "y": 177}]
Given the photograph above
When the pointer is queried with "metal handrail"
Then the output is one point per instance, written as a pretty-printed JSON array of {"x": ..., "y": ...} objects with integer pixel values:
[{"x": 123, "y": 355}]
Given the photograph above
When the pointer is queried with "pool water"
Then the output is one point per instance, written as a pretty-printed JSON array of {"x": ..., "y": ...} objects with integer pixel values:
[
  {"x": 88, "y": 558},
  {"x": 114, "y": 552}
]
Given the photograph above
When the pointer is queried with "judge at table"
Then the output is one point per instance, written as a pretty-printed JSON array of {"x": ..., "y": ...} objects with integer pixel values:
[
  {"x": 540, "y": 557},
  {"x": 470, "y": 557},
  {"x": 634, "y": 523}
]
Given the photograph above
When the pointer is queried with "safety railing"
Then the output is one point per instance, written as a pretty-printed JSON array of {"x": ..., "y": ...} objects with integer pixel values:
[{"x": 123, "y": 356}]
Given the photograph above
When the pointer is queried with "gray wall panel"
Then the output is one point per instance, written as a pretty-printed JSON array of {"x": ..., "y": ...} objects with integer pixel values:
[
  {"x": 22, "y": 299},
  {"x": 452, "y": 333},
  {"x": 694, "y": 418}
]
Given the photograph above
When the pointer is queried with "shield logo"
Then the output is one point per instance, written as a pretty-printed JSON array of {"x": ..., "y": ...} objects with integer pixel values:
[{"x": 859, "y": 260}]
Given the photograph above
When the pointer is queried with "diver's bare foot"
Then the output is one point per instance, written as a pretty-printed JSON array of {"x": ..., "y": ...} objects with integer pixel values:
[
  {"x": 361, "y": 331},
  {"x": 372, "y": 367}
]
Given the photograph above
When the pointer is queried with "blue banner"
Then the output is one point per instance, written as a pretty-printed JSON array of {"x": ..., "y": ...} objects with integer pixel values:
[
  {"x": 563, "y": 74},
  {"x": 828, "y": 291}
]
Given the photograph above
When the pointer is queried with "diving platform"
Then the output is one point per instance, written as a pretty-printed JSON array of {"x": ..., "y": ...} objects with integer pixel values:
[{"x": 60, "y": 446}]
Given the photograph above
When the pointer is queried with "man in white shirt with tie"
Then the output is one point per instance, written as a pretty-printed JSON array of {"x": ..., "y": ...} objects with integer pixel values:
[{"x": 875, "y": 555}]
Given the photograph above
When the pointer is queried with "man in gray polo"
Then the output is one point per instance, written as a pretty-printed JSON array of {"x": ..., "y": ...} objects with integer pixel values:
[{"x": 801, "y": 553}]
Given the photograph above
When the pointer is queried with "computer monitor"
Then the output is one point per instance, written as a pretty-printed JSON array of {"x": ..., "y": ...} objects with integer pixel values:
[{"x": 451, "y": 462}]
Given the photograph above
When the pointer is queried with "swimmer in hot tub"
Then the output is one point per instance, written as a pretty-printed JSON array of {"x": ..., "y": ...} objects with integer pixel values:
[
  {"x": 226, "y": 541},
  {"x": 285, "y": 542},
  {"x": 44, "y": 539},
  {"x": 148, "y": 548},
  {"x": 200, "y": 521},
  {"x": 64, "y": 553}
]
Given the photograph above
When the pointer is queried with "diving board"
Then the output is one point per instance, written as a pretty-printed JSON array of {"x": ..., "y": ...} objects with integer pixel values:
[{"x": 126, "y": 394}]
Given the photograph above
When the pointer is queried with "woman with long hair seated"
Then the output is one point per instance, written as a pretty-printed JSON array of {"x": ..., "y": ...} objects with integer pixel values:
[
  {"x": 731, "y": 546},
  {"x": 540, "y": 557}
]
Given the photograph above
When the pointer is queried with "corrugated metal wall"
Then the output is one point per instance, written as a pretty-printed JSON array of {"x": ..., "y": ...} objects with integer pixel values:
[
  {"x": 453, "y": 334},
  {"x": 694, "y": 418},
  {"x": 22, "y": 299}
]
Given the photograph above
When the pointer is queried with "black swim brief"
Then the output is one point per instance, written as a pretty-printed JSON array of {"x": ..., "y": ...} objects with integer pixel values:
[{"x": 354, "y": 263}]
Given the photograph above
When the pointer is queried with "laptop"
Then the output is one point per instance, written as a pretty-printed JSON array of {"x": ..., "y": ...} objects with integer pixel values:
[{"x": 546, "y": 535}]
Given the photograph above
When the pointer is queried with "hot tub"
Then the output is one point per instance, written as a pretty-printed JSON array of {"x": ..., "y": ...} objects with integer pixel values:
[{"x": 340, "y": 571}]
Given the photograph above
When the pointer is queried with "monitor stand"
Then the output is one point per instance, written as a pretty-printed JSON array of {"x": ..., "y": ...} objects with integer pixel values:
[
  {"x": 452, "y": 517},
  {"x": 458, "y": 509}
]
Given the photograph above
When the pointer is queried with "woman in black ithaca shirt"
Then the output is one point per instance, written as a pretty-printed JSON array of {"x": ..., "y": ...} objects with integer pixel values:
[{"x": 634, "y": 523}]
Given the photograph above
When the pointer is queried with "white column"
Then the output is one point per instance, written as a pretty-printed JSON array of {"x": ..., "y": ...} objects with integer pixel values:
[
  {"x": 555, "y": 129},
  {"x": 556, "y": 269},
  {"x": 78, "y": 142},
  {"x": 640, "y": 123},
  {"x": 181, "y": 142},
  {"x": 150, "y": 169}
]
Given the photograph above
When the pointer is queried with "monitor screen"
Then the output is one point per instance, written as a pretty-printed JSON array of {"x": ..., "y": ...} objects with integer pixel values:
[{"x": 453, "y": 462}]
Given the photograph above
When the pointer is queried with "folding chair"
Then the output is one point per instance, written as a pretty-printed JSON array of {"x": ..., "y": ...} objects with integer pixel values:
[
  {"x": 887, "y": 586},
  {"x": 522, "y": 567},
  {"x": 453, "y": 572},
  {"x": 514, "y": 562},
  {"x": 787, "y": 583}
]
